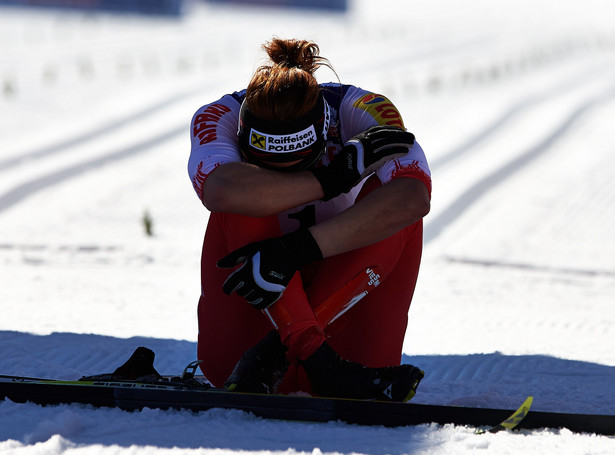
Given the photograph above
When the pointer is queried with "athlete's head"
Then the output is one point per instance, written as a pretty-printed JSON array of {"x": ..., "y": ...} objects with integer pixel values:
[{"x": 284, "y": 118}]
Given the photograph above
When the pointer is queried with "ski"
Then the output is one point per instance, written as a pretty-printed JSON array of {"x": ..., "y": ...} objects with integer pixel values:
[
  {"x": 513, "y": 420},
  {"x": 194, "y": 395}
]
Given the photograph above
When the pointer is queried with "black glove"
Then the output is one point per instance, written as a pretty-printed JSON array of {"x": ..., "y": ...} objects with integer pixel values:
[
  {"x": 361, "y": 156},
  {"x": 268, "y": 266}
]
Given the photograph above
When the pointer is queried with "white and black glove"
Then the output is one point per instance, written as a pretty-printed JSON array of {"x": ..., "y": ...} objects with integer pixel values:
[
  {"x": 361, "y": 156},
  {"x": 268, "y": 266}
]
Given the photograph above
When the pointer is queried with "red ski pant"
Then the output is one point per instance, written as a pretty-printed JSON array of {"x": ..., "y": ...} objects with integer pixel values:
[{"x": 371, "y": 332}]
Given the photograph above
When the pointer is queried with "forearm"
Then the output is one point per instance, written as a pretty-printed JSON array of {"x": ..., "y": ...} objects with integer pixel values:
[
  {"x": 377, "y": 216},
  {"x": 249, "y": 190}
]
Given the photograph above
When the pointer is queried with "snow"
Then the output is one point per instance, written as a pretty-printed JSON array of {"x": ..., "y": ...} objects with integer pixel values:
[{"x": 513, "y": 103}]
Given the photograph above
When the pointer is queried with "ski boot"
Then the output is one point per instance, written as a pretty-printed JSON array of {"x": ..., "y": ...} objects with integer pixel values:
[
  {"x": 261, "y": 368},
  {"x": 332, "y": 376}
]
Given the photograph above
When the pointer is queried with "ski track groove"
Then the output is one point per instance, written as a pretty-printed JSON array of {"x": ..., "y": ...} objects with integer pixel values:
[
  {"x": 468, "y": 197},
  {"x": 530, "y": 267},
  {"x": 516, "y": 110},
  {"x": 26, "y": 189},
  {"x": 92, "y": 135}
]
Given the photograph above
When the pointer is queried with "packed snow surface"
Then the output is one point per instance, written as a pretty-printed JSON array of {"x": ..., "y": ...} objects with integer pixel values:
[{"x": 513, "y": 102}]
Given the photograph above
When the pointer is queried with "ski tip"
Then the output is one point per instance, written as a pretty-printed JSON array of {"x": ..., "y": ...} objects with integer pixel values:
[{"x": 513, "y": 420}]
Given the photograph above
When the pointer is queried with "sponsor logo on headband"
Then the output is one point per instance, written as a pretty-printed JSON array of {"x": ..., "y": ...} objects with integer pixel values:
[{"x": 283, "y": 143}]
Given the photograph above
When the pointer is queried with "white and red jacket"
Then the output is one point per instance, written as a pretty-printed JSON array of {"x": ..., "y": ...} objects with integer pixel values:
[{"x": 353, "y": 110}]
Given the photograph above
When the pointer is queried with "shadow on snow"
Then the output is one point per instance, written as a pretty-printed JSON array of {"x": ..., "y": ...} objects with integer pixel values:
[{"x": 487, "y": 380}]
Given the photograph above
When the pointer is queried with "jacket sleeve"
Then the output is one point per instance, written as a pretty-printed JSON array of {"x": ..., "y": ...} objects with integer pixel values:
[
  {"x": 361, "y": 109},
  {"x": 213, "y": 139}
]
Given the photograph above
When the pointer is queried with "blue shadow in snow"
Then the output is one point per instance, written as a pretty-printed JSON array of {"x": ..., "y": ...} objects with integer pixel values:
[{"x": 486, "y": 380}]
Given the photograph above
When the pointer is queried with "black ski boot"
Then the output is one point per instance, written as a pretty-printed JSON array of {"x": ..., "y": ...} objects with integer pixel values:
[
  {"x": 261, "y": 368},
  {"x": 332, "y": 376}
]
